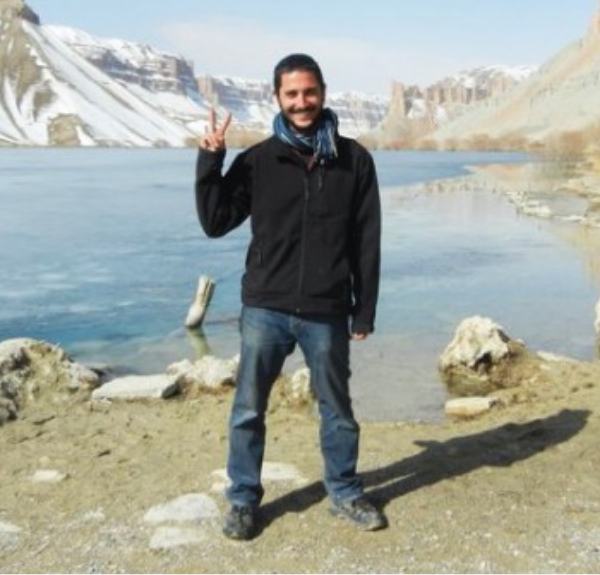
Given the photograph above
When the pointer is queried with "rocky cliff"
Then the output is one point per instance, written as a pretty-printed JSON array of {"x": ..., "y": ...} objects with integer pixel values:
[
  {"x": 562, "y": 96},
  {"x": 133, "y": 63},
  {"x": 415, "y": 112},
  {"x": 53, "y": 96}
]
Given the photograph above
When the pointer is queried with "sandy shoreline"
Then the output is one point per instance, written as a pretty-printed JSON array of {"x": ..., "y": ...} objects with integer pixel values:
[
  {"x": 476, "y": 496},
  {"x": 515, "y": 491}
]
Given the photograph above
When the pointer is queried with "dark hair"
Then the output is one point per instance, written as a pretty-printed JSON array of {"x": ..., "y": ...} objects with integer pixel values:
[{"x": 295, "y": 62}]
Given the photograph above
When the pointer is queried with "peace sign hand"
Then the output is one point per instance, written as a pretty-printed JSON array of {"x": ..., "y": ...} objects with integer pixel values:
[{"x": 214, "y": 140}]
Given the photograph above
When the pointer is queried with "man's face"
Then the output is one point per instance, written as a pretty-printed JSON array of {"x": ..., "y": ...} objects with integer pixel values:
[{"x": 301, "y": 99}]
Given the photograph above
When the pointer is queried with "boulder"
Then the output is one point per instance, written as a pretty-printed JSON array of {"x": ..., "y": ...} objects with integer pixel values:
[
  {"x": 482, "y": 357},
  {"x": 208, "y": 372},
  {"x": 131, "y": 387},
  {"x": 478, "y": 342},
  {"x": 469, "y": 407},
  {"x": 32, "y": 371},
  {"x": 294, "y": 390}
]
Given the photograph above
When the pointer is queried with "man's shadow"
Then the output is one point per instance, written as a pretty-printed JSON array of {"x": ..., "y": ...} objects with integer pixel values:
[{"x": 499, "y": 447}]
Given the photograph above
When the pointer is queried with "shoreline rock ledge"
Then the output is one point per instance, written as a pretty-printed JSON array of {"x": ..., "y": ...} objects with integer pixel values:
[{"x": 38, "y": 375}]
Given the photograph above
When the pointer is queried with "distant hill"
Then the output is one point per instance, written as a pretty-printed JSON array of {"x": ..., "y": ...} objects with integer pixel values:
[{"x": 562, "y": 97}]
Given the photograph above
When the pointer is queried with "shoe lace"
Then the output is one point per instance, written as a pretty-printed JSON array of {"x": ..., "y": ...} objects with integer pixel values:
[{"x": 242, "y": 511}]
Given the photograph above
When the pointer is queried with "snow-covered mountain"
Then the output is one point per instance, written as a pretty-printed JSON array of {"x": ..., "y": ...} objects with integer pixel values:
[
  {"x": 163, "y": 81},
  {"x": 53, "y": 96},
  {"x": 250, "y": 101},
  {"x": 62, "y": 86},
  {"x": 254, "y": 106}
]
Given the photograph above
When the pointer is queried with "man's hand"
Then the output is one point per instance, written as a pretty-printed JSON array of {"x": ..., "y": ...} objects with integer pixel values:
[
  {"x": 214, "y": 141},
  {"x": 358, "y": 336}
]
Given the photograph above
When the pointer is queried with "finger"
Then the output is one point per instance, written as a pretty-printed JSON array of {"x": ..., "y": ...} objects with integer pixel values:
[
  {"x": 359, "y": 336},
  {"x": 207, "y": 142},
  {"x": 225, "y": 125},
  {"x": 203, "y": 142},
  {"x": 212, "y": 120}
]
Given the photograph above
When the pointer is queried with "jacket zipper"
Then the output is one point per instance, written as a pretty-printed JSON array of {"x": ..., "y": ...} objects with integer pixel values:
[
  {"x": 304, "y": 234},
  {"x": 307, "y": 180}
]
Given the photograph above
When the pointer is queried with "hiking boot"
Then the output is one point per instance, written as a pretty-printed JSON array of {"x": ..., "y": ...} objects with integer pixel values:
[
  {"x": 360, "y": 512},
  {"x": 240, "y": 523}
]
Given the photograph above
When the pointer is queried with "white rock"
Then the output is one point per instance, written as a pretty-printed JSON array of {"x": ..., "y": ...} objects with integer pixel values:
[
  {"x": 475, "y": 338},
  {"x": 274, "y": 471},
  {"x": 94, "y": 515},
  {"x": 190, "y": 507},
  {"x": 300, "y": 384},
  {"x": 170, "y": 537},
  {"x": 469, "y": 406},
  {"x": 208, "y": 371},
  {"x": 81, "y": 376},
  {"x": 9, "y": 528},
  {"x": 271, "y": 471},
  {"x": 48, "y": 476},
  {"x": 137, "y": 387}
]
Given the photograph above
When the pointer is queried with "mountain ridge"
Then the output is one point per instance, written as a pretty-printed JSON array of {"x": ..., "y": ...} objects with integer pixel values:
[{"x": 63, "y": 86}]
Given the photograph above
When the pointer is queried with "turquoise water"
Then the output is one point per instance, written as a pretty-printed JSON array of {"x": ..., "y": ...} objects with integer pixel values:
[{"x": 101, "y": 253}]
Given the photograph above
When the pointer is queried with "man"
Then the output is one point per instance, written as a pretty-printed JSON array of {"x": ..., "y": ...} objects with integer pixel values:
[{"x": 311, "y": 279}]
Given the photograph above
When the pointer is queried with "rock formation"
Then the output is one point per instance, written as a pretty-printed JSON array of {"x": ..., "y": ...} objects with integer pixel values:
[
  {"x": 482, "y": 362},
  {"x": 415, "y": 112},
  {"x": 33, "y": 372},
  {"x": 562, "y": 96}
]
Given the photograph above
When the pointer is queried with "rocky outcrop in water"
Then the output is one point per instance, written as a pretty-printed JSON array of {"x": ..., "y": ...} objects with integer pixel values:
[{"x": 483, "y": 363}]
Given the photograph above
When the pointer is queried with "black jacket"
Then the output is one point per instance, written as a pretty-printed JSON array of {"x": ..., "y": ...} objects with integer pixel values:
[{"x": 315, "y": 244}]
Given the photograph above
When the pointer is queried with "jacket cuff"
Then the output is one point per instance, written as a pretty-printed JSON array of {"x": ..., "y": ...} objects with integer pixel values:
[{"x": 359, "y": 326}]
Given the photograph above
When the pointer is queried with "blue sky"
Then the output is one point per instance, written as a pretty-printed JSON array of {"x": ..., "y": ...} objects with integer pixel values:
[{"x": 360, "y": 46}]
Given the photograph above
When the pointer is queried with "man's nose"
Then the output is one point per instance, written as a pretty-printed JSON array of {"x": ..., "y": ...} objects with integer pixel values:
[{"x": 301, "y": 101}]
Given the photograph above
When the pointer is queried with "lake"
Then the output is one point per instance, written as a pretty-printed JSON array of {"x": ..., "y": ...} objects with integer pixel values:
[{"x": 101, "y": 254}]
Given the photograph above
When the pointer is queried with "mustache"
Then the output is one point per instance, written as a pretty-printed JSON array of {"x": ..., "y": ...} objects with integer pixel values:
[{"x": 303, "y": 110}]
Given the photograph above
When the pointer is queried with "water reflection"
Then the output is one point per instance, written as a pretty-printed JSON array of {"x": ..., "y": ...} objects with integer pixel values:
[{"x": 198, "y": 342}]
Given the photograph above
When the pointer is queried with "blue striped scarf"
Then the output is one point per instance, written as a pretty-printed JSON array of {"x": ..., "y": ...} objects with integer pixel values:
[{"x": 321, "y": 143}]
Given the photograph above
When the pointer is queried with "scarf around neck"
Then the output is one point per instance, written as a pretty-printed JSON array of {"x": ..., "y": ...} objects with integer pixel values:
[{"x": 322, "y": 143}]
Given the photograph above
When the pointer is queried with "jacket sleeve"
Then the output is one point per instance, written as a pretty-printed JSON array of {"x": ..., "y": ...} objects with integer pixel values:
[
  {"x": 366, "y": 247},
  {"x": 222, "y": 201}
]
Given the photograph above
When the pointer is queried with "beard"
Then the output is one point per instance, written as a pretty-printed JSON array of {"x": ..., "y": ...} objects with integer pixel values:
[{"x": 303, "y": 120}]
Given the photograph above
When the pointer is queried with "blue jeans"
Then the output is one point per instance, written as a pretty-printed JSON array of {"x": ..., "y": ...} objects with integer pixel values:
[{"x": 268, "y": 337}]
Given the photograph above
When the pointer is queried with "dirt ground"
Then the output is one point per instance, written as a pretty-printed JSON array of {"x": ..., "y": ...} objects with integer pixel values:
[{"x": 514, "y": 491}]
